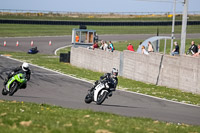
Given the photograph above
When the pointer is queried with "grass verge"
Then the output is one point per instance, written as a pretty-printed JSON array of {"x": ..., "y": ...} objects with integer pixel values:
[
  {"x": 158, "y": 91},
  {"x": 18, "y": 30},
  {"x": 23, "y": 117},
  {"x": 93, "y": 17}
]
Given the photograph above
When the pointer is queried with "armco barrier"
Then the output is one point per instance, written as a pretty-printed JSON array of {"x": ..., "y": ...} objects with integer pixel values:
[
  {"x": 147, "y": 23},
  {"x": 181, "y": 72}
]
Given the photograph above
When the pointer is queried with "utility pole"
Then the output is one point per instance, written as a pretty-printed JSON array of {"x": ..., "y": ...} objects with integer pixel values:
[
  {"x": 184, "y": 26},
  {"x": 173, "y": 23}
]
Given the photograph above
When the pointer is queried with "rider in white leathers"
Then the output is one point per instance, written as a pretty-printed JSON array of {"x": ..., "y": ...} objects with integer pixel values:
[{"x": 111, "y": 79}]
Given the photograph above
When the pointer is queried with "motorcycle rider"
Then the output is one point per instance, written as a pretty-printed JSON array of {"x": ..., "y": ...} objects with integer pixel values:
[
  {"x": 112, "y": 81},
  {"x": 23, "y": 68}
]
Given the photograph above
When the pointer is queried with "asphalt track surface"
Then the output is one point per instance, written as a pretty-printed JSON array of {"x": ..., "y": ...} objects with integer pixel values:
[{"x": 56, "y": 89}]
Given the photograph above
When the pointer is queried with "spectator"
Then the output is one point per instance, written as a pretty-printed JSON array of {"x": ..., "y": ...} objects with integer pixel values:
[
  {"x": 130, "y": 47},
  {"x": 150, "y": 47},
  {"x": 111, "y": 46},
  {"x": 95, "y": 45},
  {"x": 140, "y": 44},
  {"x": 175, "y": 51},
  {"x": 144, "y": 50},
  {"x": 197, "y": 54},
  {"x": 102, "y": 45},
  {"x": 105, "y": 46},
  {"x": 77, "y": 38},
  {"x": 193, "y": 48}
]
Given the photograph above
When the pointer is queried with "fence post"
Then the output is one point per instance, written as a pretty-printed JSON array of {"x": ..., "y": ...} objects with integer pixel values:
[{"x": 121, "y": 63}]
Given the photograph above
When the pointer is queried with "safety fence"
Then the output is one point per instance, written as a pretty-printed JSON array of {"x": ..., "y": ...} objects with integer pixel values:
[
  {"x": 181, "y": 72},
  {"x": 65, "y": 27},
  {"x": 147, "y": 23}
]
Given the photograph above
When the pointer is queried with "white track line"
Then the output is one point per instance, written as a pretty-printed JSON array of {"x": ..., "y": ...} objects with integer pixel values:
[
  {"x": 44, "y": 74},
  {"x": 55, "y": 52},
  {"x": 92, "y": 82}
]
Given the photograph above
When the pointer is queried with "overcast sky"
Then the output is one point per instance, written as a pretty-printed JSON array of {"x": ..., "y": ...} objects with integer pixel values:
[{"x": 99, "y": 5}]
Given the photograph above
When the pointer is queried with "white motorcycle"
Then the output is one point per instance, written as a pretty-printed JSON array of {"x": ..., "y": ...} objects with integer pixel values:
[{"x": 99, "y": 93}]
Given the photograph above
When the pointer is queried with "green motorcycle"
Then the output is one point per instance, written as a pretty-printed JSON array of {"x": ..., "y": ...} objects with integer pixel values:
[{"x": 14, "y": 83}]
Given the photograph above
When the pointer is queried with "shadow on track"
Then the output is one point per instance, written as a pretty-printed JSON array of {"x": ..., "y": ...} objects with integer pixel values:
[
  {"x": 119, "y": 106},
  {"x": 25, "y": 96}
]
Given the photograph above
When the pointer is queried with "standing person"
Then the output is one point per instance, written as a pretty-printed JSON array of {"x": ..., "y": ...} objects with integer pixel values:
[
  {"x": 102, "y": 45},
  {"x": 130, "y": 47},
  {"x": 150, "y": 47},
  {"x": 193, "y": 48},
  {"x": 144, "y": 50},
  {"x": 105, "y": 47},
  {"x": 197, "y": 54},
  {"x": 77, "y": 38},
  {"x": 111, "y": 46},
  {"x": 175, "y": 51}
]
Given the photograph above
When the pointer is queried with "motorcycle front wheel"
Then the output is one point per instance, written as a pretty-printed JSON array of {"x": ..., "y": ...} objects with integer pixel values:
[
  {"x": 101, "y": 97},
  {"x": 13, "y": 88}
]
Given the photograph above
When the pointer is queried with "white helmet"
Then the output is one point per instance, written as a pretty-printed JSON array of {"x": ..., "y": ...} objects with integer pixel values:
[
  {"x": 25, "y": 66},
  {"x": 114, "y": 72}
]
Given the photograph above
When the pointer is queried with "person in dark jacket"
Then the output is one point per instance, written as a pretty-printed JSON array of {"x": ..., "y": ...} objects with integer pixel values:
[
  {"x": 193, "y": 48},
  {"x": 175, "y": 51},
  {"x": 23, "y": 68}
]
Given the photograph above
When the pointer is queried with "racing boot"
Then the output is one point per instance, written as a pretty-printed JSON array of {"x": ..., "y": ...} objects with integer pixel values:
[
  {"x": 110, "y": 91},
  {"x": 110, "y": 94},
  {"x": 5, "y": 81}
]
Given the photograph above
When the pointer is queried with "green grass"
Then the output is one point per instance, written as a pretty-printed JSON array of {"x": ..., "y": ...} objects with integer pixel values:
[
  {"x": 64, "y": 50},
  {"x": 53, "y": 63},
  {"x": 16, "y": 30},
  {"x": 23, "y": 117},
  {"x": 95, "y": 17}
]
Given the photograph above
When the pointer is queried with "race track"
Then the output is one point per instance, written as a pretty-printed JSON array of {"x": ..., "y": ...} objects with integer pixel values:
[{"x": 56, "y": 89}]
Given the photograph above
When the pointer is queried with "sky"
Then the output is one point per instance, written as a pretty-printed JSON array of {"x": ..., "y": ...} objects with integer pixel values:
[{"x": 99, "y": 5}]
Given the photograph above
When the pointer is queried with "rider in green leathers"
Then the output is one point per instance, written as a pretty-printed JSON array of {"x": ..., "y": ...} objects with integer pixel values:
[{"x": 23, "y": 68}]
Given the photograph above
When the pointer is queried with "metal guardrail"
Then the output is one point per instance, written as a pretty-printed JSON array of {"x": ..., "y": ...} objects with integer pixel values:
[{"x": 45, "y": 22}]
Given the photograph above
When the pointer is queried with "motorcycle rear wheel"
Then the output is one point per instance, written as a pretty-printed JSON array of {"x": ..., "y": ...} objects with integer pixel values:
[
  {"x": 88, "y": 98},
  {"x": 4, "y": 92}
]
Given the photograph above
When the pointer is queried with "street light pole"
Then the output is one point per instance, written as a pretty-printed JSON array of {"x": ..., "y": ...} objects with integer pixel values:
[
  {"x": 173, "y": 23},
  {"x": 184, "y": 26}
]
